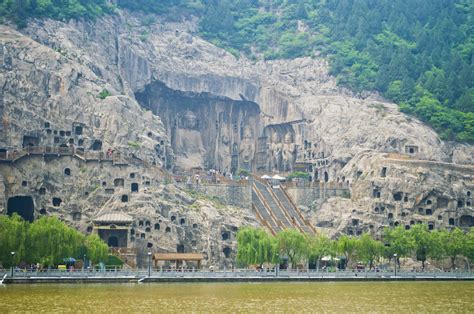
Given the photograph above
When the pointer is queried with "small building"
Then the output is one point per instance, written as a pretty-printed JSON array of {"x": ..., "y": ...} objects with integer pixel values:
[
  {"x": 178, "y": 258},
  {"x": 113, "y": 228}
]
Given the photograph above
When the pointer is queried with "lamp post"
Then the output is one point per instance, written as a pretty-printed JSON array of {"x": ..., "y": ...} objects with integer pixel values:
[
  {"x": 395, "y": 260},
  {"x": 13, "y": 260},
  {"x": 277, "y": 266},
  {"x": 83, "y": 263},
  {"x": 149, "y": 263}
]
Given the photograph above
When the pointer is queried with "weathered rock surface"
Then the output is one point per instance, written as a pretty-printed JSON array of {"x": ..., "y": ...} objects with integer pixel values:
[
  {"x": 389, "y": 190},
  {"x": 178, "y": 102}
]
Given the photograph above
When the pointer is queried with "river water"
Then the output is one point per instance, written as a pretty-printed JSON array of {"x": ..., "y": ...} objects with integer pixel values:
[{"x": 241, "y": 297}]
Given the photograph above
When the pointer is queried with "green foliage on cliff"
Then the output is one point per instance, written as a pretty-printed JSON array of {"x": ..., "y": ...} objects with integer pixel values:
[
  {"x": 20, "y": 10},
  {"x": 417, "y": 53},
  {"x": 104, "y": 94},
  {"x": 298, "y": 174}
]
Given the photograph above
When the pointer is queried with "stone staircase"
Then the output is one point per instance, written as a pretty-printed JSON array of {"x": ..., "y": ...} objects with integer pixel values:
[
  {"x": 293, "y": 211},
  {"x": 263, "y": 213},
  {"x": 275, "y": 210}
]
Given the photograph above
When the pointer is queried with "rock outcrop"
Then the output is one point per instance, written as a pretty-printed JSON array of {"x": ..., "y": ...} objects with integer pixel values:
[{"x": 122, "y": 97}]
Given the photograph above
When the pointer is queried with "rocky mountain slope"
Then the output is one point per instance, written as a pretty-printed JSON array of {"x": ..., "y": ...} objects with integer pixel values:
[{"x": 56, "y": 80}]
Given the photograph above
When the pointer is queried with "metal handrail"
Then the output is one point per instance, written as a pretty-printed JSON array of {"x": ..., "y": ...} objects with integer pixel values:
[{"x": 245, "y": 272}]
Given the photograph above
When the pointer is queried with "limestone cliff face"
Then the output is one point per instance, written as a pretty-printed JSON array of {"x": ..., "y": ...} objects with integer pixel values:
[
  {"x": 89, "y": 155},
  {"x": 392, "y": 190},
  {"x": 178, "y": 102},
  {"x": 128, "y": 56}
]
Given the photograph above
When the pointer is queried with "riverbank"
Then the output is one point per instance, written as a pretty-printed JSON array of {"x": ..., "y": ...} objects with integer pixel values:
[{"x": 222, "y": 277}]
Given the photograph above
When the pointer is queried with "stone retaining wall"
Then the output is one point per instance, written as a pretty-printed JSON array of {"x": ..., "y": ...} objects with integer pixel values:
[{"x": 305, "y": 196}]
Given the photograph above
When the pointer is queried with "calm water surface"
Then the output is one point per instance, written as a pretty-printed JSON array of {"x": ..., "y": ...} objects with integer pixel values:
[{"x": 241, "y": 297}]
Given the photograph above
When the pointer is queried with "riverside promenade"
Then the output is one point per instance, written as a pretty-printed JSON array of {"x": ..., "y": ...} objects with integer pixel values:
[{"x": 238, "y": 275}]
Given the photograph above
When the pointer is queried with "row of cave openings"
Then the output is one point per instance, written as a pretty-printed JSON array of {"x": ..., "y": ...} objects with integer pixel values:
[
  {"x": 441, "y": 202},
  {"x": 62, "y": 138},
  {"x": 56, "y": 202},
  {"x": 25, "y": 208},
  {"x": 226, "y": 235},
  {"x": 157, "y": 226}
]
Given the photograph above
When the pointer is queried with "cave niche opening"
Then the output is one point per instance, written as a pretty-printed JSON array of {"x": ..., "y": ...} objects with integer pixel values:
[{"x": 23, "y": 206}]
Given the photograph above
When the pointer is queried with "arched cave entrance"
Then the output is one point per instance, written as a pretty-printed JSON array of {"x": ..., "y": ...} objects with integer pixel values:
[
  {"x": 96, "y": 145},
  {"x": 78, "y": 130},
  {"x": 119, "y": 182},
  {"x": 225, "y": 235},
  {"x": 57, "y": 201},
  {"x": 227, "y": 250},
  {"x": 466, "y": 221},
  {"x": 113, "y": 241},
  {"x": 23, "y": 206}
]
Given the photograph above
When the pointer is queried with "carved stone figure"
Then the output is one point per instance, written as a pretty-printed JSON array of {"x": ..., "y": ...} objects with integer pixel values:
[
  {"x": 275, "y": 153},
  {"x": 289, "y": 152},
  {"x": 189, "y": 148},
  {"x": 224, "y": 149},
  {"x": 247, "y": 148}
]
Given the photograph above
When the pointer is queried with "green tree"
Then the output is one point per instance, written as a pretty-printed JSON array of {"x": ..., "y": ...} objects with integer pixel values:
[
  {"x": 368, "y": 249},
  {"x": 294, "y": 245},
  {"x": 51, "y": 241},
  {"x": 97, "y": 250},
  {"x": 422, "y": 242},
  {"x": 397, "y": 242},
  {"x": 319, "y": 246},
  {"x": 347, "y": 246},
  {"x": 469, "y": 247},
  {"x": 13, "y": 238},
  {"x": 454, "y": 244},
  {"x": 256, "y": 246},
  {"x": 436, "y": 251}
]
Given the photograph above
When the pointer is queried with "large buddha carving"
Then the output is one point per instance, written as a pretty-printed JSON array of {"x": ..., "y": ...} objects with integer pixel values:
[
  {"x": 189, "y": 148},
  {"x": 275, "y": 153},
  {"x": 224, "y": 149},
  {"x": 289, "y": 151},
  {"x": 247, "y": 149}
]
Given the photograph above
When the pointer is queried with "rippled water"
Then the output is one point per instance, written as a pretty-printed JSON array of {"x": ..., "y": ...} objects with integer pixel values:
[{"x": 241, "y": 297}]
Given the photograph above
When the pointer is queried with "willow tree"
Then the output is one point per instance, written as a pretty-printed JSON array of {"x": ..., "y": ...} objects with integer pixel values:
[
  {"x": 319, "y": 246},
  {"x": 97, "y": 250},
  {"x": 368, "y": 249},
  {"x": 294, "y": 245},
  {"x": 255, "y": 246},
  {"x": 51, "y": 241},
  {"x": 454, "y": 244},
  {"x": 347, "y": 246},
  {"x": 13, "y": 236}
]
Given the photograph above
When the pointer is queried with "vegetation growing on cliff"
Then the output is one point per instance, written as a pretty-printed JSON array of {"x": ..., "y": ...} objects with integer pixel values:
[
  {"x": 20, "y": 10},
  {"x": 419, "y": 53}
]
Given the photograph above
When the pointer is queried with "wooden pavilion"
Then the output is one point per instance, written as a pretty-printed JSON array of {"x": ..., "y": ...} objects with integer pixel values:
[{"x": 179, "y": 258}]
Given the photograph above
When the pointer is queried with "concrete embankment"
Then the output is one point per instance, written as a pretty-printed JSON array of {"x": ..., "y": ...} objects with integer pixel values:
[{"x": 196, "y": 279}]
